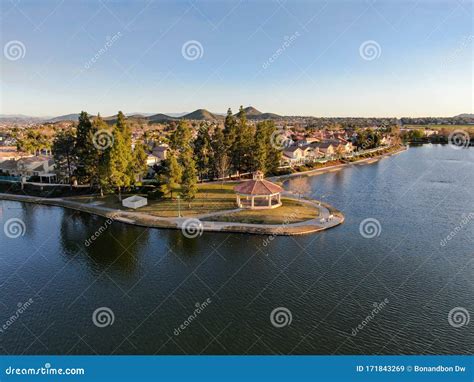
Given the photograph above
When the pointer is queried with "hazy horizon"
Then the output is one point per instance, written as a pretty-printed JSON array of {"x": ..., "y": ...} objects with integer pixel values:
[
  {"x": 234, "y": 110},
  {"x": 338, "y": 59}
]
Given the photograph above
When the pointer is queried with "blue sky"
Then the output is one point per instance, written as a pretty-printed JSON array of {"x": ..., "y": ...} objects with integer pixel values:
[{"x": 418, "y": 62}]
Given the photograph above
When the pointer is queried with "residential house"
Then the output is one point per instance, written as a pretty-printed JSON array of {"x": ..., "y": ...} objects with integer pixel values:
[
  {"x": 161, "y": 152},
  {"x": 295, "y": 154},
  {"x": 325, "y": 147},
  {"x": 42, "y": 166},
  {"x": 10, "y": 152}
]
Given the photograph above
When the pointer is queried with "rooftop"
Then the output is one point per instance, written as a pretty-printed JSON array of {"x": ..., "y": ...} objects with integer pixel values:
[{"x": 258, "y": 186}]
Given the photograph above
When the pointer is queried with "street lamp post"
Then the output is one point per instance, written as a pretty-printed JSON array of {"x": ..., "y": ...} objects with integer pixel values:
[{"x": 179, "y": 207}]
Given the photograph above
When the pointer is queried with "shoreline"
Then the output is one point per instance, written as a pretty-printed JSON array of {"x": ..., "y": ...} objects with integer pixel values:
[
  {"x": 337, "y": 167},
  {"x": 150, "y": 221}
]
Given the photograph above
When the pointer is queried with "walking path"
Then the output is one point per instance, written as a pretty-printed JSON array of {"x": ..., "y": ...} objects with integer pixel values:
[{"x": 324, "y": 221}]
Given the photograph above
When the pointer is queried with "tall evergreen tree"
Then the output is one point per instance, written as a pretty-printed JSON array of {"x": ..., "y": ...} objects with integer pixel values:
[
  {"x": 230, "y": 129},
  {"x": 220, "y": 159},
  {"x": 117, "y": 164},
  {"x": 189, "y": 178},
  {"x": 126, "y": 134},
  {"x": 181, "y": 137},
  {"x": 83, "y": 149},
  {"x": 241, "y": 149},
  {"x": 273, "y": 156},
  {"x": 260, "y": 148},
  {"x": 170, "y": 179},
  {"x": 63, "y": 153},
  {"x": 98, "y": 143},
  {"x": 119, "y": 160},
  {"x": 140, "y": 166},
  {"x": 203, "y": 152}
]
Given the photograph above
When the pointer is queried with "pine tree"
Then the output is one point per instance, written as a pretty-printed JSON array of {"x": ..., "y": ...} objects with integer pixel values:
[
  {"x": 84, "y": 133},
  {"x": 203, "y": 152},
  {"x": 63, "y": 153},
  {"x": 140, "y": 166},
  {"x": 170, "y": 179},
  {"x": 126, "y": 133},
  {"x": 230, "y": 129},
  {"x": 98, "y": 142},
  {"x": 220, "y": 159},
  {"x": 242, "y": 146},
  {"x": 189, "y": 178},
  {"x": 118, "y": 164},
  {"x": 180, "y": 139},
  {"x": 259, "y": 152}
]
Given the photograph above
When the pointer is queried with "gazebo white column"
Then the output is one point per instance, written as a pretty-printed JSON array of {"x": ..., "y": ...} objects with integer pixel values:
[
  {"x": 251, "y": 202},
  {"x": 269, "y": 200}
]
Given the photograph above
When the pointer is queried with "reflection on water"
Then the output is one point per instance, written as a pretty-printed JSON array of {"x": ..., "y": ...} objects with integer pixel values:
[{"x": 152, "y": 279}]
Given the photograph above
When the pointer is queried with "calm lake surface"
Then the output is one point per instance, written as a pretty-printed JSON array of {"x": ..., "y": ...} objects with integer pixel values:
[{"x": 152, "y": 279}]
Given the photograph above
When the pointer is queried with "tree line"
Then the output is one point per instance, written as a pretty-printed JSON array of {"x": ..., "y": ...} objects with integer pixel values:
[{"x": 101, "y": 155}]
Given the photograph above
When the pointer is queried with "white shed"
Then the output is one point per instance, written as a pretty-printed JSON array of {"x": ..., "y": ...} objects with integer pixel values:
[{"x": 135, "y": 202}]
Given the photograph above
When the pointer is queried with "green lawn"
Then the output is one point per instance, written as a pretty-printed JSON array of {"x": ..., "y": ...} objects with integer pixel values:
[
  {"x": 291, "y": 211},
  {"x": 210, "y": 198}
]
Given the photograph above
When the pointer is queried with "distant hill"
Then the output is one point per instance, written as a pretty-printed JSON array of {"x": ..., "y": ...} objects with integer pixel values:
[
  {"x": 20, "y": 118},
  {"x": 202, "y": 115},
  {"x": 137, "y": 114},
  {"x": 255, "y": 114},
  {"x": 67, "y": 117},
  {"x": 465, "y": 115},
  {"x": 160, "y": 118},
  {"x": 251, "y": 112}
]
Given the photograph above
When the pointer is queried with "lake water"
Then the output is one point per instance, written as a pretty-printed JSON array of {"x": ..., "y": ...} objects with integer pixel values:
[{"x": 151, "y": 280}]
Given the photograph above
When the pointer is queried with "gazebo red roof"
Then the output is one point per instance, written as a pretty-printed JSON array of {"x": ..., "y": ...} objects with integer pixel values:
[{"x": 257, "y": 187}]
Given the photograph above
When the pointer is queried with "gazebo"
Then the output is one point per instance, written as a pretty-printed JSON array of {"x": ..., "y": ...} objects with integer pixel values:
[{"x": 258, "y": 193}]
